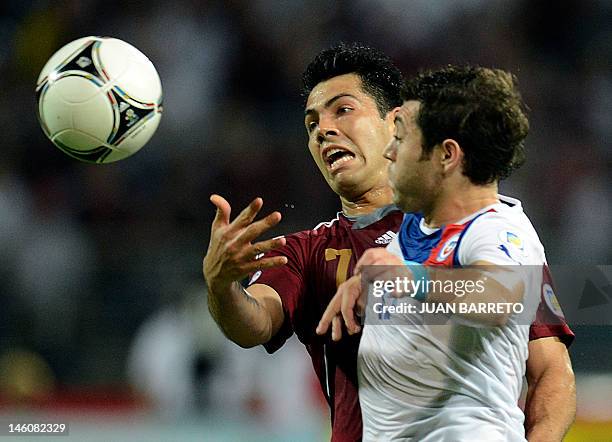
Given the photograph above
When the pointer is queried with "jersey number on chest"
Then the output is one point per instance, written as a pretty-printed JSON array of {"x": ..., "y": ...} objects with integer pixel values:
[{"x": 344, "y": 258}]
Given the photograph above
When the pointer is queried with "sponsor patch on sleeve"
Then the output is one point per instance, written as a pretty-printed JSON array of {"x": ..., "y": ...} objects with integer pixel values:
[
  {"x": 512, "y": 245},
  {"x": 551, "y": 300}
]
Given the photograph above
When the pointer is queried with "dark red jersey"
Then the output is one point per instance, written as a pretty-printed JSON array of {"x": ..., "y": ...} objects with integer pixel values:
[{"x": 318, "y": 261}]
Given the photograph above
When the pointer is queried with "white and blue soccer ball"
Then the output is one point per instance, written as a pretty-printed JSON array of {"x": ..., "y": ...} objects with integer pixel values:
[{"x": 99, "y": 99}]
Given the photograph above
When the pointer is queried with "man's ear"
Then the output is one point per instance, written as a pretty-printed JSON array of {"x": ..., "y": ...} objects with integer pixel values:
[
  {"x": 390, "y": 118},
  {"x": 451, "y": 154},
  {"x": 391, "y": 115}
]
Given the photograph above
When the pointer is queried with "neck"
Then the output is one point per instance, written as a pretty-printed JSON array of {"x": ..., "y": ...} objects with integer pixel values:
[
  {"x": 368, "y": 202},
  {"x": 453, "y": 206}
]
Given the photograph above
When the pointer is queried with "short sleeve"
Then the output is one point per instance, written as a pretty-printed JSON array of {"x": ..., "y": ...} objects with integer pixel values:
[
  {"x": 549, "y": 320},
  {"x": 508, "y": 241},
  {"x": 289, "y": 283},
  {"x": 495, "y": 238}
]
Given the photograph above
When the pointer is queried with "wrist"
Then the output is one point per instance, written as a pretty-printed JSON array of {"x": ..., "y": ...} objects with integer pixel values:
[
  {"x": 419, "y": 273},
  {"x": 218, "y": 287}
]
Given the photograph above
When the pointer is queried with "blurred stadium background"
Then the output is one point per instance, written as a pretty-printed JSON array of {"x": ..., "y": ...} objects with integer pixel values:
[{"x": 103, "y": 319}]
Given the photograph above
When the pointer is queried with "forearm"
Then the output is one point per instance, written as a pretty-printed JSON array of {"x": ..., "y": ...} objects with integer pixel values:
[
  {"x": 550, "y": 408},
  {"x": 478, "y": 296},
  {"x": 241, "y": 317}
]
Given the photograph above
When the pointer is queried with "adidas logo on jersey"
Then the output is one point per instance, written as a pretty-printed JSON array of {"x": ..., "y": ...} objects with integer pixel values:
[{"x": 386, "y": 237}]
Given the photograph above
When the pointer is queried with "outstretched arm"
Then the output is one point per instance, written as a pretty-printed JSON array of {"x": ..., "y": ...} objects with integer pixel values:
[
  {"x": 250, "y": 317},
  {"x": 349, "y": 300}
]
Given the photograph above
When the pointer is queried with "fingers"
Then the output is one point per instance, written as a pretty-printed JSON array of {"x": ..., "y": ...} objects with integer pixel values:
[
  {"x": 265, "y": 263},
  {"x": 351, "y": 291},
  {"x": 332, "y": 310},
  {"x": 361, "y": 304},
  {"x": 257, "y": 228},
  {"x": 247, "y": 215},
  {"x": 224, "y": 210},
  {"x": 336, "y": 328},
  {"x": 229, "y": 257},
  {"x": 266, "y": 246},
  {"x": 242, "y": 230},
  {"x": 341, "y": 308}
]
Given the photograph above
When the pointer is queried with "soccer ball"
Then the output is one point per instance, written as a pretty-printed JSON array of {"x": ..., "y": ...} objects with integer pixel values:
[{"x": 99, "y": 99}]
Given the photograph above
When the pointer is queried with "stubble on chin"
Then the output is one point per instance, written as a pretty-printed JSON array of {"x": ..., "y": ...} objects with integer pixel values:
[
  {"x": 408, "y": 203},
  {"x": 399, "y": 201}
]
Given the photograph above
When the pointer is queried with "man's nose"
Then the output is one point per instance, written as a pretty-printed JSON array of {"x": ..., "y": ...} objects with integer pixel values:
[
  {"x": 390, "y": 151},
  {"x": 325, "y": 134},
  {"x": 326, "y": 129}
]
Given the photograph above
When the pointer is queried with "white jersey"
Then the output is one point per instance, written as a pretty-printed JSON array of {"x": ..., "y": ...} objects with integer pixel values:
[{"x": 452, "y": 382}]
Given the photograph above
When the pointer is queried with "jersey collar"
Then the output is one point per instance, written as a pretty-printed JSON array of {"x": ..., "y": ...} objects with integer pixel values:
[{"x": 363, "y": 221}]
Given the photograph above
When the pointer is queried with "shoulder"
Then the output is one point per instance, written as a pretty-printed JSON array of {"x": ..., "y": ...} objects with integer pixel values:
[
  {"x": 509, "y": 224},
  {"x": 343, "y": 232},
  {"x": 506, "y": 230},
  {"x": 322, "y": 232},
  {"x": 321, "y": 229}
]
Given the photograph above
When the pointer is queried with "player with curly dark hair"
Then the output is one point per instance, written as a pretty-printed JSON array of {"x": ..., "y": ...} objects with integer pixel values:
[
  {"x": 457, "y": 376},
  {"x": 481, "y": 109}
]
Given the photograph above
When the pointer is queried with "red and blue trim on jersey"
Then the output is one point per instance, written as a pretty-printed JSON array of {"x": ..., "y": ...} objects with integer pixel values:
[{"x": 438, "y": 248}]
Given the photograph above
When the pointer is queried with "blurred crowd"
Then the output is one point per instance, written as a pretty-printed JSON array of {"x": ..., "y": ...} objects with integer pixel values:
[{"x": 101, "y": 264}]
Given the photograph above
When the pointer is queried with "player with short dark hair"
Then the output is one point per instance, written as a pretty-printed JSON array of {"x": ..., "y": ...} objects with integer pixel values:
[
  {"x": 348, "y": 129},
  {"x": 379, "y": 77}
]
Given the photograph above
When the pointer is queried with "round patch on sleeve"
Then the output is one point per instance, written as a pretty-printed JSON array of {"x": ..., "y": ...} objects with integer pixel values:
[
  {"x": 551, "y": 300},
  {"x": 448, "y": 247}
]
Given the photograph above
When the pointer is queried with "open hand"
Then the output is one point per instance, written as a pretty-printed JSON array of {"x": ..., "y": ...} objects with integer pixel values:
[{"x": 231, "y": 254}]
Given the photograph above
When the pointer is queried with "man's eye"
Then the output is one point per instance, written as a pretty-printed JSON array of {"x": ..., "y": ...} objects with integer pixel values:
[
  {"x": 311, "y": 126},
  {"x": 344, "y": 109}
]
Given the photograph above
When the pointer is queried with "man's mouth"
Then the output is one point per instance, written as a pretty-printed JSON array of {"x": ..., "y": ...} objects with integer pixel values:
[{"x": 334, "y": 157}]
